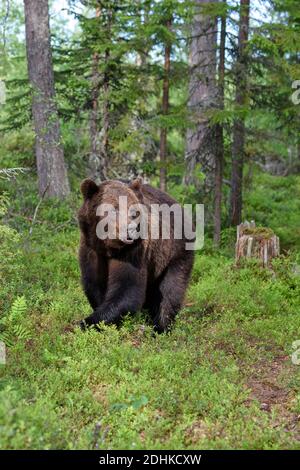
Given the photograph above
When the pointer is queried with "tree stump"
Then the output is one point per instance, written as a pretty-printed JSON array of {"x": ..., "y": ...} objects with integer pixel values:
[{"x": 256, "y": 242}]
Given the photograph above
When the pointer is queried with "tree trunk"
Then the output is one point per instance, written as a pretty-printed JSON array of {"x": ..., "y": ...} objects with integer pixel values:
[
  {"x": 99, "y": 140},
  {"x": 256, "y": 242},
  {"x": 238, "y": 146},
  {"x": 106, "y": 111},
  {"x": 200, "y": 140},
  {"x": 165, "y": 110},
  {"x": 51, "y": 169},
  {"x": 220, "y": 137}
]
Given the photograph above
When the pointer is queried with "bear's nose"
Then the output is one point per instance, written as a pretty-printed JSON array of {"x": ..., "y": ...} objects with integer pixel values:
[
  {"x": 125, "y": 236},
  {"x": 127, "y": 241},
  {"x": 132, "y": 230}
]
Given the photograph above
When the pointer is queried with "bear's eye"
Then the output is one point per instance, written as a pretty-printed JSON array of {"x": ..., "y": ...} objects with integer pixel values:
[
  {"x": 95, "y": 208},
  {"x": 133, "y": 213}
]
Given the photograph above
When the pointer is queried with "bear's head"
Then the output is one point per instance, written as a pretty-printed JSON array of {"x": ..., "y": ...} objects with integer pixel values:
[{"x": 109, "y": 216}]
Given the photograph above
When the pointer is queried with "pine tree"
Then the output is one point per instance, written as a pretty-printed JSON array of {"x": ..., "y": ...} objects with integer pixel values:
[
  {"x": 200, "y": 139},
  {"x": 238, "y": 145},
  {"x": 219, "y": 165},
  {"x": 52, "y": 173},
  {"x": 165, "y": 110}
]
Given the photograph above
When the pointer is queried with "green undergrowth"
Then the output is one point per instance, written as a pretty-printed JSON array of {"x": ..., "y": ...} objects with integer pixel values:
[{"x": 127, "y": 388}]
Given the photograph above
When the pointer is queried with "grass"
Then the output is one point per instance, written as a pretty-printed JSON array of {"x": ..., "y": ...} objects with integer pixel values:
[{"x": 222, "y": 379}]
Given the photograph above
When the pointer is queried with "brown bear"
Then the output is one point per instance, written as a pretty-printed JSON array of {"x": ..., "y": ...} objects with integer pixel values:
[{"x": 125, "y": 274}]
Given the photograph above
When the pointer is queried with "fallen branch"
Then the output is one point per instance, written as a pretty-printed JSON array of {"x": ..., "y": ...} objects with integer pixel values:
[{"x": 37, "y": 208}]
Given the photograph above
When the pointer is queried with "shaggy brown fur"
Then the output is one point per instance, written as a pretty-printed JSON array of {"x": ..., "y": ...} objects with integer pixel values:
[{"x": 121, "y": 277}]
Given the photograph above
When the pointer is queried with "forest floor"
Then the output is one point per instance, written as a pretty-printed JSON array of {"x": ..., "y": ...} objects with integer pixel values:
[{"x": 223, "y": 378}]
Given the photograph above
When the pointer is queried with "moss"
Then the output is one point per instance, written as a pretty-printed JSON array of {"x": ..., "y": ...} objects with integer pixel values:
[{"x": 259, "y": 232}]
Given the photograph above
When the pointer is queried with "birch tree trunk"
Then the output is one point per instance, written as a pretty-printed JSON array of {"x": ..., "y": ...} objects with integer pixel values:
[
  {"x": 51, "y": 169},
  {"x": 238, "y": 146},
  {"x": 200, "y": 139}
]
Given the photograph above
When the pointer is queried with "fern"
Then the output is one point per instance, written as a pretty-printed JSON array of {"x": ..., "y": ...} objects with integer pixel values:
[
  {"x": 18, "y": 309},
  {"x": 9, "y": 173},
  {"x": 21, "y": 332},
  {"x": 6, "y": 338},
  {"x": 14, "y": 330}
]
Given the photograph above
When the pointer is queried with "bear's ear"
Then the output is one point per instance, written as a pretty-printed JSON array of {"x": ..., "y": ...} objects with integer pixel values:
[
  {"x": 88, "y": 188},
  {"x": 136, "y": 186}
]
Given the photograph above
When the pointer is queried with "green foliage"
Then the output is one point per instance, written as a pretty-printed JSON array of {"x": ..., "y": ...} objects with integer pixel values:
[
  {"x": 17, "y": 149},
  {"x": 128, "y": 41},
  {"x": 253, "y": 292},
  {"x": 274, "y": 202},
  {"x": 9, "y": 252},
  {"x": 13, "y": 329},
  {"x": 124, "y": 387}
]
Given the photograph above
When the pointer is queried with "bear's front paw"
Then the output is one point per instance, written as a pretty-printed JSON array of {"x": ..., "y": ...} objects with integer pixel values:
[
  {"x": 82, "y": 325},
  {"x": 92, "y": 320},
  {"x": 88, "y": 321}
]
